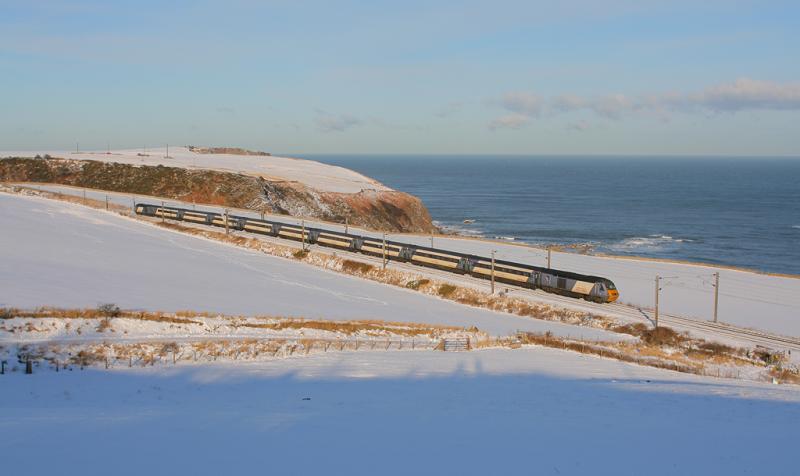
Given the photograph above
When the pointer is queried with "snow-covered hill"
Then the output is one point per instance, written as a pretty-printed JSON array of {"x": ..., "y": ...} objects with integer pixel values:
[
  {"x": 534, "y": 409},
  {"x": 319, "y": 176},
  {"x": 66, "y": 255},
  {"x": 746, "y": 298}
]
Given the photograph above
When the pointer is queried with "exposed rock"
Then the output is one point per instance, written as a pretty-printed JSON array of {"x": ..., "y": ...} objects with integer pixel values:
[{"x": 379, "y": 210}]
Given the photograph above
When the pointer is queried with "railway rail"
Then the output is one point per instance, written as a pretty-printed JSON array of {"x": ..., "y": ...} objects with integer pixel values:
[
  {"x": 556, "y": 281},
  {"x": 616, "y": 310}
]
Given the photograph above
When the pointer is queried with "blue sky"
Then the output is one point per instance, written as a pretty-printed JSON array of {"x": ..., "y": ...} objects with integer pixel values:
[{"x": 500, "y": 77}]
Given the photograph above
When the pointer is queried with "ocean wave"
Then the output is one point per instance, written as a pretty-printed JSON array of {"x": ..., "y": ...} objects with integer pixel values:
[
  {"x": 668, "y": 238},
  {"x": 459, "y": 230},
  {"x": 796, "y": 227},
  {"x": 647, "y": 243}
]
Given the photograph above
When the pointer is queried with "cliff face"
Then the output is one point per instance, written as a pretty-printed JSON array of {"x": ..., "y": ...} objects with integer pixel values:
[{"x": 378, "y": 210}]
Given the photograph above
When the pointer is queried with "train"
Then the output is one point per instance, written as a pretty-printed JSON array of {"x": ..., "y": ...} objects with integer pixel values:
[{"x": 565, "y": 283}]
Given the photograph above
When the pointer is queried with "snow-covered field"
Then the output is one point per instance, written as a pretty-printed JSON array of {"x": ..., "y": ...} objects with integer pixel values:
[
  {"x": 493, "y": 411},
  {"x": 747, "y": 299},
  {"x": 323, "y": 177},
  {"x": 527, "y": 411},
  {"x": 66, "y": 255},
  {"x": 26, "y": 330}
]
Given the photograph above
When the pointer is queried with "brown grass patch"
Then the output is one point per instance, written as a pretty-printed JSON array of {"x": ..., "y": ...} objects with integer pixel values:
[
  {"x": 353, "y": 267},
  {"x": 715, "y": 348},
  {"x": 664, "y": 336},
  {"x": 638, "y": 329},
  {"x": 651, "y": 357},
  {"x": 415, "y": 284},
  {"x": 352, "y": 327},
  {"x": 59, "y": 313},
  {"x": 786, "y": 375},
  {"x": 656, "y": 336},
  {"x": 446, "y": 290}
]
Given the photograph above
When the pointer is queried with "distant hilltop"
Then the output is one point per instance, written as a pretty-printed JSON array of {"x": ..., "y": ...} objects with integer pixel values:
[{"x": 226, "y": 150}]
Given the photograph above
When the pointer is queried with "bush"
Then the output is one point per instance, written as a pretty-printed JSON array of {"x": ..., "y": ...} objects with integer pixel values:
[
  {"x": 109, "y": 310},
  {"x": 663, "y": 336},
  {"x": 445, "y": 290},
  {"x": 6, "y": 313},
  {"x": 417, "y": 283},
  {"x": 300, "y": 254},
  {"x": 356, "y": 266},
  {"x": 715, "y": 348},
  {"x": 638, "y": 329}
]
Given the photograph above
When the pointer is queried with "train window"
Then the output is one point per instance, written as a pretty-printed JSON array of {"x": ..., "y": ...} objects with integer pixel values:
[{"x": 611, "y": 285}]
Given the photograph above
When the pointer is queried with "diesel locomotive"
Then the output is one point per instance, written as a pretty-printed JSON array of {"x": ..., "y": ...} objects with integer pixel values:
[{"x": 591, "y": 288}]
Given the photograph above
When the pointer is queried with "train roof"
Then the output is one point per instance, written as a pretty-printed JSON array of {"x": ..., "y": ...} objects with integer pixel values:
[{"x": 541, "y": 269}]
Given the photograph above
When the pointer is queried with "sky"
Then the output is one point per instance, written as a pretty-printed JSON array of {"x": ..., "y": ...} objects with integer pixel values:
[{"x": 413, "y": 77}]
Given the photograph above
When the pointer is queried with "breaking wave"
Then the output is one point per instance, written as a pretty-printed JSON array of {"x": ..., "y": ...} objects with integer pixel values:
[
  {"x": 459, "y": 229},
  {"x": 647, "y": 243}
]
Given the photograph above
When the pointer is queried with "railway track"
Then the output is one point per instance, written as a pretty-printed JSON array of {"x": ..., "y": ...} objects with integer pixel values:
[{"x": 614, "y": 310}]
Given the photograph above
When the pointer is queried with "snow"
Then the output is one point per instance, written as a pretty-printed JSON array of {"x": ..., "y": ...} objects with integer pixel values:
[
  {"x": 323, "y": 177},
  {"x": 526, "y": 411},
  {"x": 65, "y": 255},
  {"x": 747, "y": 299},
  {"x": 494, "y": 411},
  {"x": 48, "y": 330}
]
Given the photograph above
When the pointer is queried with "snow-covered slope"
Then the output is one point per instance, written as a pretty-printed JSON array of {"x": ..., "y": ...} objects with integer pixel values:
[
  {"x": 66, "y": 255},
  {"x": 527, "y": 411},
  {"x": 322, "y": 177},
  {"x": 746, "y": 298}
]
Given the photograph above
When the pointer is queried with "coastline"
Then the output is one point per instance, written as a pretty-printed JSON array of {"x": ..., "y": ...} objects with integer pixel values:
[{"x": 632, "y": 257}]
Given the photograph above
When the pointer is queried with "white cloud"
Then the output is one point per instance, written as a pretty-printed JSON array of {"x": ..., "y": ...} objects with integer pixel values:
[
  {"x": 740, "y": 95},
  {"x": 743, "y": 94},
  {"x": 567, "y": 102},
  {"x": 336, "y": 122},
  {"x": 510, "y": 121},
  {"x": 522, "y": 103}
]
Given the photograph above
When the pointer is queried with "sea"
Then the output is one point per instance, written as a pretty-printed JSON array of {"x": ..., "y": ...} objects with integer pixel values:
[{"x": 742, "y": 212}]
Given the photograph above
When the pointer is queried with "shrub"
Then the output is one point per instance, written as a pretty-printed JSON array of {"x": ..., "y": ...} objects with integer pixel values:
[
  {"x": 300, "y": 254},
  {"x": 638, "y": 329},
  {"x": 663, "y": 336},
  {"x": 715, "y": 348},
  {"x": 109, "y": 310},
  {"x": 417, "y": 283},
  {"x": 356, "y": 266},
  {"x": 445, "y": 290},
  {"x": 6, "y": 313}
]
